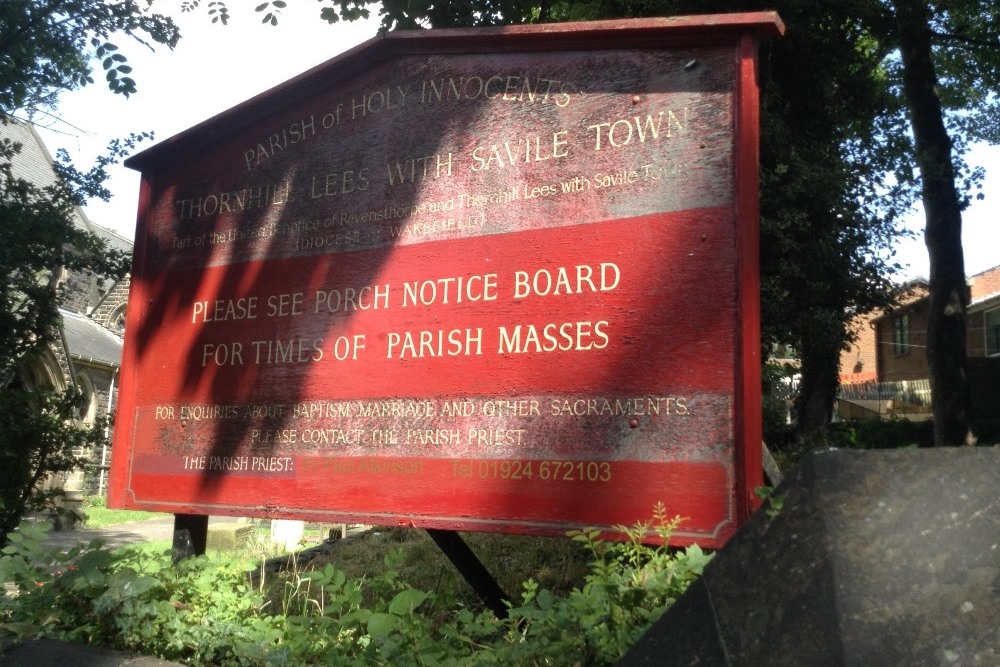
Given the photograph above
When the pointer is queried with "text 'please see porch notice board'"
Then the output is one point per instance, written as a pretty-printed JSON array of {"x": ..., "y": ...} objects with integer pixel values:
[{"x": 500, "y": 280}]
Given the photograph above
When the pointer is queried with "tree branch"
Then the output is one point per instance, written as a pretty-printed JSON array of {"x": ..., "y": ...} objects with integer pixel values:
[
  {"x": 32, "y": 24},
  {"x": 985, "y": 43}
]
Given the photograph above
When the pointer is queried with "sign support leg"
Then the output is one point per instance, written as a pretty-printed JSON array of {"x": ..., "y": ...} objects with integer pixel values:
[
  {"x": 472, "y": 569},
  {"x": 190, "y": 535}
]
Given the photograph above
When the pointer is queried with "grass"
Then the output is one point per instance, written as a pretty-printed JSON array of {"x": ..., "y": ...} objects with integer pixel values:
[
  {"x": 558, "y": 564},
  {"x": 151, "y": 548},
  {"x": 99, "y": 516}
]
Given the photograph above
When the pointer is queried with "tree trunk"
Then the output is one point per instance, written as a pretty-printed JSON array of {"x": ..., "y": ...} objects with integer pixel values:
[
  {"x": 946, "y": 353},
  {"x": 817, "y": 388}
]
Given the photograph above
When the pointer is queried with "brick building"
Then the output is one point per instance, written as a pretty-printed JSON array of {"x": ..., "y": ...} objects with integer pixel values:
[
  {"x": 891, "y": 345},
  {"x": 984, "y": 314},
  {"x": 889, "y": 342},
  {"x": 891, "y": 348}
]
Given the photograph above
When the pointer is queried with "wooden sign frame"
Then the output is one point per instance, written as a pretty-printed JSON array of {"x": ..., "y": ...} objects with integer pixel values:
[{"x": 500, "y": 280}]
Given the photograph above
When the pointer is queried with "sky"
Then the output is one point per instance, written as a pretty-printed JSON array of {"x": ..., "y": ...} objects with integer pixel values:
[{"x": 215, "y": 67}]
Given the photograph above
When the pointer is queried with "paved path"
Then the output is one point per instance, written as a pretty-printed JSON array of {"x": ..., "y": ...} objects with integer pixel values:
[
  {"x": 115, "y": 536},
  {"x": 47, "y": 652},
  {"x": 133, "y": 532}
]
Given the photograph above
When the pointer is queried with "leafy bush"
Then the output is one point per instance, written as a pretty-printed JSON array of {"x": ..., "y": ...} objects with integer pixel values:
[
  {"x": 95, "y": 501},
  {"x": 39, "y": 438},
  {"x": 777, "y": 383},
  {"x": 211, "y": 611},
  {"x": 874, "y": 433},
  {"x": 882, "y": 434}
]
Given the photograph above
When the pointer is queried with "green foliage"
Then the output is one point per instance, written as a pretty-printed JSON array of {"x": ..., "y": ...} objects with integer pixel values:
[
  {"x": 218, "y": 11},
  {"x": 129, "y": 599},
  {"x": 772, "y": 503},
  {"x": 880, "y": 434},
  {"x": 777, "y": 395},
  {"x": 38, "y": 242},
  {"x": 271, "y": 11},
  {"x": 48, "y": 47},
  {"x": 629, "y": 586},
  {"x": 555, "y": 563},
  {"x": 37, "y": 438},
  {"x": 872, "y": 433},
  {"x": 966, "y": 39},
  {"x": 218, "y": 610},
  {"x": 53, "y": 589}
]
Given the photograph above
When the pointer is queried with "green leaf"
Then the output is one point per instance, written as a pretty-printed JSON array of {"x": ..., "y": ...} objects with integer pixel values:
[
  {"x": 380, "y": 625},
  {"x": 697, "y": 559},
  {"x": 127, "y": 584},
  {"x": 30, "y": 533},
  {"x": 406, "y": 601},
  {"x": 357, "y": 616}
]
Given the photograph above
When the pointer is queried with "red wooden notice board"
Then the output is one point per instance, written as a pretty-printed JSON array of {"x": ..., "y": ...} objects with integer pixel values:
[{"x": 500, "y": 280}]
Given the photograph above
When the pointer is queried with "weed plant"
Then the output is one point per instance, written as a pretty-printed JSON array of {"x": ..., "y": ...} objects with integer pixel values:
[
  {"x": 558, "y": 564},
  {"x": 224, "y": 610}
]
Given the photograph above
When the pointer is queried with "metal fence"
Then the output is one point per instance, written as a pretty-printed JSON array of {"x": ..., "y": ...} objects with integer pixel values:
[{"x": 911, "y": 392}]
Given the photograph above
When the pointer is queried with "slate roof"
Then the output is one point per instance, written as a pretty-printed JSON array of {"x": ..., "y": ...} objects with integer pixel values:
[
  {"x": 34, "y": 164},
  {"x": 114, "y": 240},
  {"x": 89, "y": 341}
]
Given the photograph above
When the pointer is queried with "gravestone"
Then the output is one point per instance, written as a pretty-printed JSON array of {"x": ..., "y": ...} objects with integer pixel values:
[
  {"x": 229, "y": 536},
  {"x": 287, "y": 532},
  {"x": 874, "y": 558}
]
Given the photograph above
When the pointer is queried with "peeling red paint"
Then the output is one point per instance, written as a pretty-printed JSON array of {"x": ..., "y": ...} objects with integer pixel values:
[{"x": 503, "y": 290}]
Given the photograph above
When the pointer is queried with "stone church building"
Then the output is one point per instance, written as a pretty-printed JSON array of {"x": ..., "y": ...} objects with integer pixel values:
[{"x": 88, "y": 354}]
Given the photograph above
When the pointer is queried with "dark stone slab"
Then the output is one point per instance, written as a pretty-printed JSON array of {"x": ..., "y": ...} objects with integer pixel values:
[
  {"x": 46, "y": 653},
  {"x": 875, "y": 558}
]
